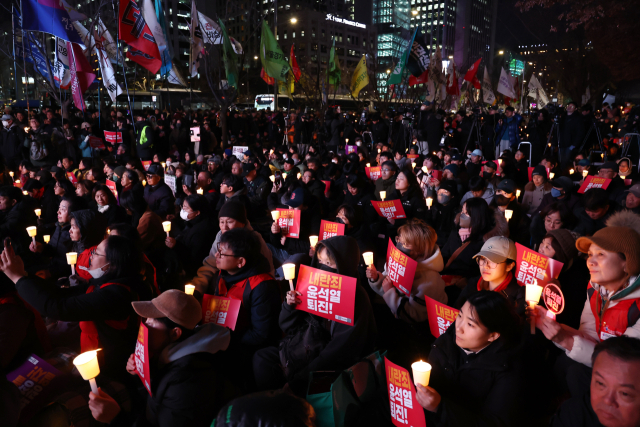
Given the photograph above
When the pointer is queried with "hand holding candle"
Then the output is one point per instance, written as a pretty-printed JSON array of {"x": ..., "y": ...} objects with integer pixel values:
[
  {"x": 289, "y": 273},
  {"x": 72, "y": 258},
  {"x": 32, "y": 233},
  {"x": 532, "y": 296},
  {"x": 189, "y": 289},
  {"x": 200, "y": 191},
  {"x": 166, "y": 225},
  {"x": 87, "y": 365},
  {"x": 275, "y": 215},
  {"x": 421, "y": 373}
]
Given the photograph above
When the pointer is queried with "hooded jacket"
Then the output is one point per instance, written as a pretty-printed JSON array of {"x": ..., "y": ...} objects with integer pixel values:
[
  {"x": 348, "y": 344},
  {"x": 426, "y": 282},
  {"x": 183, "y": 379},
  {"x": 477, "y": 389}
]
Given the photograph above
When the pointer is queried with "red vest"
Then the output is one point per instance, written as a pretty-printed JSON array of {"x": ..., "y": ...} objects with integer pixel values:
[
  {"x": 616, "y": 319},
  {"x": 237, "y": 292},
  {"x": 88, "y": 330},
  {"x": 84, "y": 259}
]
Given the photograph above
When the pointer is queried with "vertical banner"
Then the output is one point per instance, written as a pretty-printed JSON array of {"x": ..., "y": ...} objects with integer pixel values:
[
  {"x": 330, "y": 229},
  {"x": 400, "y": 269},
  {"x": 60, "y": 70},
  {"x": 441, "y": 316},
  {"x": 289, "y": 222},
  {"x": 76, "y": 91},
  {"x": 373, "y": 172},
  {"x": 326, "y": 294},
  {"x": 142, "y": 357},
  {"x": 222, "y": 311},
  {"x": 534, "y": 268},
  {"x": 593, "y": 182},
  {"x": 391, "y": 209},
  {"x": 36, "y": 380},
  {"x": 405, "y": 409}
]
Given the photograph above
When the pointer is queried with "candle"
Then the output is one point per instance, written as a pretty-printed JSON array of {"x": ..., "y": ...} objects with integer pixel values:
[
  {"x": 413, "y": 165},
  {"x": 25, "y": 193},
  {"x": 109, "y": 231},
  {"x": 11, "y": 174},
  {"x": 571, "y": 171},
  {"x": 368, "y": 258},
  {"x": 188, "y": 289},
  {"x": 289, "y": 273},
  {"x": 299, "y": 175},
  {"x": 38, "y": 212},
  {"x": 518, "y": 194},
  {"x": 272, "y": 178},
  {"x": 72, "y": 258},
  {"x": 144, "y": 182},
  {"x": 163, "y": 165},
  {"x": 368, "y": 165},
  {"x": 551, "y": 175},
  {"x": 425, "y": 169},
  {"x": 32, "y": 233},
  {"x": 166, "y": 225},
  {"x": 275, "y": 215},
  {"x": 200, "y": 191},
  {"x": 379, "y": 150},
  {"x": 585, "y": 173},
  {"x": 532, "y": 296},
  {"x": 46, "y": 238},
  {"x": 508, "y": 214},
  {"x": 383, "y": 195},
  {"x": 313, "y": 240},
  {"x": 284, "y": 175},
  {"x": 346, "y": 140},
  {"x": 429, "y": 202},
  {"x": 421, "y": 373},
  {"x": 87, "y": 365},
  {"x": 26, "y": 128}
]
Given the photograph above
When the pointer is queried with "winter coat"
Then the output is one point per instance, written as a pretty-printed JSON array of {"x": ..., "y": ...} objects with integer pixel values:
[
  {"x": 487, "y": 195},
  {"x": 57, "y": 249},
  {"x": 150, "y": 231},
  {"x": 477, "y": 389},
  {"x": 348, "y": 343},
  {"x": 309, "y": 226},
  {"x": 576, "y": 412},
  {"x": 426, "y": 282},
  {"x": 533, "y": 196},
  {"x": 13, "y": 222},
  {"x": 387, "y": 185},
  {"x": 509, "y": 128},
  {"x": 145, "y": 148},
  {"x": 12, "y": 143},
  {"x": 115, "y": 214},
  {"x": 571, "y": 130},
  {"x": 160, "y": 199},
  {"x": 86, "y": 150},
  {"x": 193, "y": 243},
  {"x": 208, "y": 270}
]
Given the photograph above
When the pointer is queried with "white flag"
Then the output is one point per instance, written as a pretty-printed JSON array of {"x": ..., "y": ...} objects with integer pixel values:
[
  {"x": 487, "y": 89},
  {"x": 174, "y": 77},
  {"x": 536, "y": 91},
  {"x": 196, "y": 41},
  {"x": 61, "y": 72},
  {"x": 108, "y": 44},
  {"x": 149, "y": 15},
  {"x": 74, "y": 15},
  {"x": 211, "y": 32},
  {"x": 504, "y": 85}
]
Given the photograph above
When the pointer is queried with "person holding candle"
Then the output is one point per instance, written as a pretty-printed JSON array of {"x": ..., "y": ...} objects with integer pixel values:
[
  {"x": 563, "y": 192},
  {"x": 88, "y": 229},
  {"x": 408, "y": 191},
  {"x": 327, "y": 345},
  {"x": 505, "y": 199},
  {"x": 535, "y": 190},
  {"x": 477, "y": 377},
  {"x": 387, "y": 179},
  {"x": 497, "y": 261},
  {"x": 107, "y": 205}
]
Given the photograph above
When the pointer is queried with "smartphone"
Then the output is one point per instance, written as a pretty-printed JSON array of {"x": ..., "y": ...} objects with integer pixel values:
[
  {"x": 278, "y": 174},
  {"x": 187, "y": 180}
]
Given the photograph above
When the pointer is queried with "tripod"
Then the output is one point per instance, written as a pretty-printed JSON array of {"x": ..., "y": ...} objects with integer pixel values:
[
  {"x": 548, "y": 149},
  {"x": 626, "y": 142},
  {"x": 286, "y": 130},
  {"x": 598, "y": 136},
  {"x": 474, "y": 126}
]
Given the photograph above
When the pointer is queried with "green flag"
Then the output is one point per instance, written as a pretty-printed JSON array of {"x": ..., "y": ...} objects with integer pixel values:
[
  {"x": 397, "y": 73},
  {"x": 229, "y": 58},
  {"x": 271, "y": 56},
  {"x": 333, "y": 73},
  {"x": 360, "y": 77}
]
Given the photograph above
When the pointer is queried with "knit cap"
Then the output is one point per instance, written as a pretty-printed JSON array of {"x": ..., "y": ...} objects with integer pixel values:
[
  {"x": 566, "y": 243},
  {"x": 616, "y": 239},
  {"x": 233, "y": 209}
]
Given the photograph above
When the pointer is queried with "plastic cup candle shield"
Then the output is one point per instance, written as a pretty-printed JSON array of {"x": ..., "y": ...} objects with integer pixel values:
[
  {"x": 25, "y": 193},
  {"x": 585, "y": 173},
  {"x": 429, "y": 202},
  {"x": 551, "y": 175},
  {"x": 32, "y": 233},
  {"x": 200, "y": 191},
  {"x": 421, "y": 373},
  {"x": 413, "y": 165},
  {"x": 571, "y": 171},
  {"x": 87, "y": 365},
  {"x": 299, "y": 175},
  {"x": 289, "y": 273},
  {"x": 532, "y": 296},
  {"x": 313, "y": 240},
  {"x": 383, "y": 195},
  {"x": 38, "y": 212},
  {"x": 46, "y": 238},
  {"x": 284, "y": 175},
  {"x": 368, "y": 258},
  {"x": 508, "y": 214},
  {"x": 272, "y": 178},
  {"x": 72, "y": 258},
  {"x": 425, "y": 169},
  {"x": 368, "y": 165},
  {"x": 11, "y": 174},
  {"x": 166, "y": 225},
  {"x": 517, "y": 194},
  {"x": 188, "y": 289},
  {"x": 275, "y": 215}
]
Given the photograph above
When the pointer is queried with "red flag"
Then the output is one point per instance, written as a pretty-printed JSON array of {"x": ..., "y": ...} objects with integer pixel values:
[
  {"x": 134, "y": 30},
  {"x": 423, "y": 78},
  {"x": 81, "y": 74},
  {"x": 476, "y": 83},
  {"x": 266, "y": 78},
  {"x": 471, "y": 73},
  {"x": 452, "y": 81},
  {"x": 294, "y": 65}
]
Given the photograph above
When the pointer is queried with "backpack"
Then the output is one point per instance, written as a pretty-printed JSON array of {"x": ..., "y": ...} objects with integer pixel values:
[
  {"x": 301, "y": 345},
  {"x": 38, "y": 150}
]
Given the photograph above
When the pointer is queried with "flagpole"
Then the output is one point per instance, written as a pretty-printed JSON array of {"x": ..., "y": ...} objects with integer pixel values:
[
  {"x": 275, "y": 35},
  {"x": 15, "y": 64},
  {"x": 24, "y": 64},
  {"x": 124, "y": 73}
]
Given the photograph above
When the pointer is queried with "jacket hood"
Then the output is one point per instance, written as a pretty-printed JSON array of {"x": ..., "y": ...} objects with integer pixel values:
[
  {"x": 93, "y": 226},
  {"x": 208, "y": 338},
  {"x": 345, "y": 251},
  {"x": 434, "y": 262}
]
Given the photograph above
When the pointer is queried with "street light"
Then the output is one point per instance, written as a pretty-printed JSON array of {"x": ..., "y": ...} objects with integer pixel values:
[
  {"x": 388, "y": 71},
  {"x": 294, "y": 20}
]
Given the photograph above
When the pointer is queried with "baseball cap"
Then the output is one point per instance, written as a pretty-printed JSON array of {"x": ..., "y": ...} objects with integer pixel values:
[
  {"x": 498, "y": 249},
  {"x": 507, "y": 185},
  {"x": 584, "y": 162},
  {"x": 214, "y": 159},
  {"x": 179, "y": 307},
  {"x": 476, "y": 152},
  {"x": 610, "y": 165},
  {"x": 562, "y": 182},
  {"x": 247, "y": 167},
  {"x": 297, "y": 198},
  {"x": 246, "y": 152},
  {"x": 155, "y": 169},
  {"x": 6, "y": 117},
  {"x": 228, "y": 151},
  {"x": 635, "y": 190},
  {"x": 456, "y": 156}
]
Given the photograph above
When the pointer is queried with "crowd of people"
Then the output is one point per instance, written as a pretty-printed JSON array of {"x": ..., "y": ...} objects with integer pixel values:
[{"x": 156, "y": 209}]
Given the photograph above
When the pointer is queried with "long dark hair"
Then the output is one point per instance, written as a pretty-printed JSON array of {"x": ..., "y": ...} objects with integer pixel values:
[
  {"x": 110, "y": 196},
  {"x": 481, "y": 217},
  {"x": 496, "y": 313},
  {"x": 125, "y": 259},
  {"x": 137, "y": 206},
  {"x": 414, "y": 186}
]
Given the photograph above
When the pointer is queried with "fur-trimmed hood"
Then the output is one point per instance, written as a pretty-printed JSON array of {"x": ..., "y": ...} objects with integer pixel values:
[{"x": 624, "y": 218}]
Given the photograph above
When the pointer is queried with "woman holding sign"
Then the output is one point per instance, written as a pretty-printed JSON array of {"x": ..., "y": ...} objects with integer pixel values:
[{"x": 476, "y": 375}]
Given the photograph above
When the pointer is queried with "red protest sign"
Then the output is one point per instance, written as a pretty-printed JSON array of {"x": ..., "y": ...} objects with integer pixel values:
[
  {"x": 413, "y": 156},
  {"x": 141, "y": 356},
  {"x": 436, "y": 175},
  {"x": 146, "y": 164},
  {"x": 534, "y": 268},
  {"x": 351, "y": 149},
  {"x": 373, "y": 172},
  {"x": 289, "y": 222},
  {"x": 330, "y": 229},
  {"x": 405, "y": 409},
  {"x": 553, "y": 298},
  {"x": 113, "y": 137},
  {"x": 593, "y": 182},
  {"x": 400, "y": 269},
  {"x": 222, "y": 311},
  {"x": 95, "y": 142},
  {"x": 72, "y": 178},
  {"x": 389, "y": 209},
  {"x": 441, "y": 316},
  {"x": 327, "y": 295},
  {"x": 327, "y": 186},
  {"x": 112, "y": 187}
]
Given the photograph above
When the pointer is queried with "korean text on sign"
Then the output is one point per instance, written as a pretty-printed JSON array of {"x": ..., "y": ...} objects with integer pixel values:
[
  {"x": 441, "y": 316},
  {"x": 323, "y": 291},
  {"x": 330, "y": 229},
  {"x": 32, "y": 379},
  {"x": 373, "y": 172},
  {"x": 141, "y": 356},
  {"x": 404, "y": 408},
  {"x": 400, "y": 269},
  {"x": 534, "y": 268},
  {"x": 289, "y": 222},
  {"x": 593, "y": 182},
  {"x": 222, "y": 311}
]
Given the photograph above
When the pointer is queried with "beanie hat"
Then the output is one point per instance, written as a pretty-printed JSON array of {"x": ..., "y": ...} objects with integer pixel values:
[
  {"x": 566, "y": 242},
  {"x": 539, "y": 170},
  {"x": 616, "y": 239},
  {"x": 233, "y": 209},
  {"x": 453, "y": 168}
]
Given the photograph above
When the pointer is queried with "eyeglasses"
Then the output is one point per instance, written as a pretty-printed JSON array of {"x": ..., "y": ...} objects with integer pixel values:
[
  {"x": 221, "y": 255},
  {"x": 482, "y": 261},
  {"x": 94, "y": 252},
  {"x": 385, "y": 170}
]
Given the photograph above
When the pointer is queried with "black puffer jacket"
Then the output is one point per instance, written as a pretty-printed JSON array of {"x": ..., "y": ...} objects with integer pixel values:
[
  {"x": 160, "y": 199},
  {"x": 481, "y": 389},
  {"x": 513, "y": 292},
  {"x": 12, "y": 144},
  {"x": 57, "y": 249},
  {"x": 194, "y": 242}
]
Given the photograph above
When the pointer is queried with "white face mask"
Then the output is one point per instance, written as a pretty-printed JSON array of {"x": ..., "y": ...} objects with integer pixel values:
[
  {"x": 284, "y": 156},
  {"x": 103, "y": 209},
  {"x": 358, "y": 143},
  {"x": 5, "y": 123},
  {"x": 96, "y": 273},
  {"x": 184, "y": 215}
]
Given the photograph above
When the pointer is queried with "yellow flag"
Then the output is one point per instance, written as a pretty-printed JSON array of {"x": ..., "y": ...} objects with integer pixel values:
[
  {"x": 360, "y": 77},
  {"x": 286, "y": 88}
]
